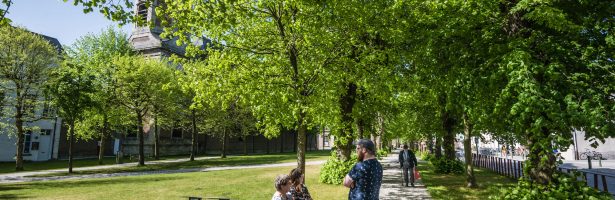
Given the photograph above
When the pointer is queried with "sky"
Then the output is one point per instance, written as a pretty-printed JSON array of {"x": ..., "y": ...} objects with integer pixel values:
[{"x": 58, "y": 19}]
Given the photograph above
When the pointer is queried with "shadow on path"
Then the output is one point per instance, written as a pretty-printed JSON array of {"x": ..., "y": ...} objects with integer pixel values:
[{"x": 392, "y": 182}]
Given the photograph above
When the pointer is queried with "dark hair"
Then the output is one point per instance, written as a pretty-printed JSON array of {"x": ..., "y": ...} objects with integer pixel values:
[
  {"x": 405, "y": 146},
  {"x": 280, "y": 181},
  {"x": 367, "y": 144},
  {"x": 295, "y": 175}
]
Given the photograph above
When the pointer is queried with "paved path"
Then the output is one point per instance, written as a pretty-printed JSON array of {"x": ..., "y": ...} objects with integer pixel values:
[
  {"x": 392, "y": 181},
  {"x": 23, "y": 176}
]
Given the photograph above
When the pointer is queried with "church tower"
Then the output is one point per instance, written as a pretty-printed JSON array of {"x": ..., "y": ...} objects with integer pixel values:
[{"x": 146, "y": 39}]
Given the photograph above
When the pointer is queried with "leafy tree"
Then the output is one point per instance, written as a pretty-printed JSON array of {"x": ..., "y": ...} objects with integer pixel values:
[
  {"x": 3, "y": 11},
  {"x": 25, "y": 61},
  {"x": 96, "y": 52},
  {"x": 71, "y": 89},
  {"x": 136, "y": 81}
]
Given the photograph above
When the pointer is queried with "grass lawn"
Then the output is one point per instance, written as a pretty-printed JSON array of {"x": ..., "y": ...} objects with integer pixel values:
[
  {"x": 9, "y": 167},
  {"x": 453, "y": 186},
  {"x": 234, "y": 184},
  {"x": 214, "y": 162}
]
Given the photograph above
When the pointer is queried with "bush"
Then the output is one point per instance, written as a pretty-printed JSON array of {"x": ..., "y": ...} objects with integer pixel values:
[
  {"x": 568, "y": 187},
  {"x": 382, "y": 153},
  {"x": 446, "y": 166},
  {"x": 426, "y": 156},
  {"x": 334, "y": 170}
]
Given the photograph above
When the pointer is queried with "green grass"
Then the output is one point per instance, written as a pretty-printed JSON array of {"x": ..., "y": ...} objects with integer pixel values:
[
  {"x": 214, "y": 162},
  {"x": 9, "y": 167},
  {"x": 446, "y": 186},
  {"x": 234, "y": 184}
]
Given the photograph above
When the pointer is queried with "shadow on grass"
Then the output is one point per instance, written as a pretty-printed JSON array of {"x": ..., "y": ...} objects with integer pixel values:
[
  {"x": 448, "y": 186},
  {"x": 214, "y": 162}
]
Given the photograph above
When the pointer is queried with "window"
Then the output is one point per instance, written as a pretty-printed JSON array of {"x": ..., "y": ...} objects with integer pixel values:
[
  {"x": 27, "y": 142},
  {"x": 177, "y": 133},
  {"x": 142, "y": 11},
  {"x": 34, "y": 146},
  {"x": 46, "y": 131}
]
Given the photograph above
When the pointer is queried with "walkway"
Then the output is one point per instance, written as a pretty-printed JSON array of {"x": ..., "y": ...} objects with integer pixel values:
[
  {"x": 24, "y": 176},
  {"x": 392, "y": 181}
]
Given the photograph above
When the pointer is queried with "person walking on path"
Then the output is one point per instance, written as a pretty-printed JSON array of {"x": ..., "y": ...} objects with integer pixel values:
[
  {"x": 365, "y": 177},
  {"x": 407, "y": 161}
]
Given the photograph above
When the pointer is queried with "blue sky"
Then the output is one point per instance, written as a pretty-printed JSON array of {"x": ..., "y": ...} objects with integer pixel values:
[{"x": 58, "y": 19}]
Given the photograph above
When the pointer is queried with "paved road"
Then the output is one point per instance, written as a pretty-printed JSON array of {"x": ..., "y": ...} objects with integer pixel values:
[{"x": 392, "y": 188}]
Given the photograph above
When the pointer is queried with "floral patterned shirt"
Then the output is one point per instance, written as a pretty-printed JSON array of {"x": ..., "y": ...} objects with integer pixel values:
[{"x": 303, "y": 195}]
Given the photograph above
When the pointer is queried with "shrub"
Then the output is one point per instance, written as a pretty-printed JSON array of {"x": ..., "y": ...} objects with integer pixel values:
[
  {"x": 334, "y": 170},
  {"x": 426, "y": 156},
  {"x": 382, "y": 153},
  {"x": 565, "y": 187},
  {"x": 446, "y": 166}
]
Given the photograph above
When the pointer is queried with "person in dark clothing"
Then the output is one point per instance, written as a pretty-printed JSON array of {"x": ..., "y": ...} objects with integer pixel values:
[
  {"x": 407, "y": 161},
  {"x": 365, "y": 177}
]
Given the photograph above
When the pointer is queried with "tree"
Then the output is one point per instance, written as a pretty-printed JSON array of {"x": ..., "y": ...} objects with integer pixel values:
[
  {"x": 558, "y": 70},
  {"x": 25, "y": 61},
  {"x": 71, "y": 89},
  {"x": 3, "y": 11},
  {"x": 96, "y": 52},
  {"x": 136, "y": 81}
]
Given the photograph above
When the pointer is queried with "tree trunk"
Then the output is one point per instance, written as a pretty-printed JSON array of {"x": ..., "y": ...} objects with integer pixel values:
[
  {"x": 467, "y": 149},
  {"x": 301, "y": 140},
  {"x": 449, "y": 136},
  {"x": 223, "y": 144},
  {"x": 103, "y": 138},
  {"x": 141, "y": 139},
  {"x": 344, "y": 143},
  {"x": 194, "y": 134},
  {"x": 20, "y": 141},
  {"x": 101, "y": 150},
  {"x": 541, "y": 163},
  {"x": 156, "y": 139},
  {"x": 360, "y": 128},
  {"x": 438, "y": 147},
  {"x": 71, "y": 142}
]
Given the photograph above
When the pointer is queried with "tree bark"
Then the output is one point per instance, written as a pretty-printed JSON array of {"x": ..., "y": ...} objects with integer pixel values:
[
  {"x": 301, "y": 140},
  {"x": 360, "y": 128},
  {"x": 101, "y": 150},
  {"x": 141, "y": 139},
  {"x": 103, "y": 138},
  {"x": 541, "y": 163},
  {"x": 438, "y": 147},
  {"x": 156, "y": 139},
  {"x": 20, "y": 140},
  {"x": 467, "y": 149},
  {"x": 194, "y": 134},
  {"x": 449, "y": 136},
  {"x": 71, "y": 142},
  {"x": 347, "y": 101}
]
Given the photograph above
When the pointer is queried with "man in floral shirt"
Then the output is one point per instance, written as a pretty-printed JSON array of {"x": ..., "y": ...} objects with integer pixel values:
[{"x": 365, "y": 177}]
